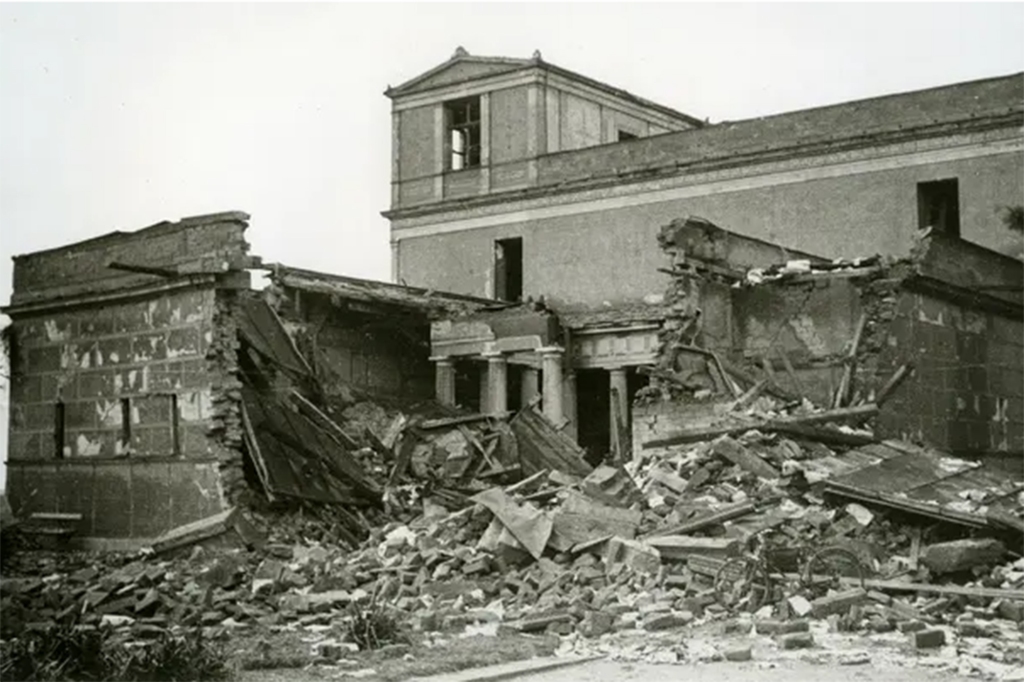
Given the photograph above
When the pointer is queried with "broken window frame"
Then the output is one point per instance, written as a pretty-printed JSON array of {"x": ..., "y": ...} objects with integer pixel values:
[
  {"x": 463, "y": 134},
  {"x": 938, "y": 206}
]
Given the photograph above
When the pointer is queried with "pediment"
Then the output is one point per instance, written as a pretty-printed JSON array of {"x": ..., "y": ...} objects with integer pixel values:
[{"x": 458, "y": 70}]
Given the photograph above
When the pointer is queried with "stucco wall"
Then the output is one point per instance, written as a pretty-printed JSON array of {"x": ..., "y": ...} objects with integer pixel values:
[
  {"x": 416, "y": 150},
  {"x": 509, "y": 112},
  {"x": 612, "y": 255}
]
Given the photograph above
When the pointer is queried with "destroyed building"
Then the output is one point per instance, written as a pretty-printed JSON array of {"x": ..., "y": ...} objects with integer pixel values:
[
  {"x": 517, "y": 179},
  {"x": 123, "y": 404},
  {"x": 542, "y": 258}
]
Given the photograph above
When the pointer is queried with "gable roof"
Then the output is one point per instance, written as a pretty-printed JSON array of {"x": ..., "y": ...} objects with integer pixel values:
[{"x": 464, "y": 67}]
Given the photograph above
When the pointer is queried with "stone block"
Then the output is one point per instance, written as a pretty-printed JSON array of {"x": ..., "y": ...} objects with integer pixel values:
[
  {"x": 908, "y": 626},
  {"x": 796, "y": 640},
  {"x": 928, "y": 639},
  {"x": 837, "y": 603},
  {"x": 666, "y": 621},
  {"x": 596, "y": 623},
  {"x": 738, "y": 653},
  {"x": 1011, "y": 610},
  {"x": 781, "y": 627},
  {"x": 962, "y": 555},
  {"x": 682, "y": 547},
  {"x": 637, "y": 555}
]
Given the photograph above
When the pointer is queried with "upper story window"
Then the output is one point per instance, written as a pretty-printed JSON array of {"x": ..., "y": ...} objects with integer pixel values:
[
  {"x": 462, "y": 124},
  {"x": 938, "y": 206}
]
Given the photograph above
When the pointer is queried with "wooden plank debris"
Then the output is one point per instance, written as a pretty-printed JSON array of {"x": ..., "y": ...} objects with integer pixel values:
[
  {"x": 744, "y": 458},
  {"x": 734, "y": 511},
  {"x": 542, "y": 446},
  {"x": 852, "y": 414}
]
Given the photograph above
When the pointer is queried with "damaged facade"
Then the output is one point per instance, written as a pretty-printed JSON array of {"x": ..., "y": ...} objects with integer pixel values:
[
  {"x": 124, "y": 396},
  {"x": 522, "y": 181},
  {"x": 934, "y": 340}
]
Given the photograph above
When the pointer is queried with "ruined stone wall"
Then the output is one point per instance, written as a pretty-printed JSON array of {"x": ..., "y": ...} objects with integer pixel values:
[
  {"x": 124, "y": 400},
  {"x": 967, "y": 393},
  {"x": 134, "y": 389},
  {"x": 379, "y": 354}
]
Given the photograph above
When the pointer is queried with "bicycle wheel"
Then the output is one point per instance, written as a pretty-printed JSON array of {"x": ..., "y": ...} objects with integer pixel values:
[
  {"x": 827, "y": 568},
  {"x": 741, "y": 583}
]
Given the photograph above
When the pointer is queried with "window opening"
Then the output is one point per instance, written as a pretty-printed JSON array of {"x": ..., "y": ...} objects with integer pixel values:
[
  {"x": 126, "y": 425},
  {"x": 938, "y": 206},
  {"x": 58, "y": 430},
  {"x": 463, "y": 133}
]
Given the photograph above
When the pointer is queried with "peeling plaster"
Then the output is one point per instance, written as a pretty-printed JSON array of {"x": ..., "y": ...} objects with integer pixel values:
[
  {"x": 109, "y": 413},
  {"x": 53, "y": 333},
  {"x": 923, "y": 317},
  {"x": 807, "y": 333},
  {"x": 1002, "y": 405},
  {"x": 208, "y": 493},
  {"x": 86, "y": 447},
  {"x": 69, "y": 356},
  {"x": 195, "y": 406}
]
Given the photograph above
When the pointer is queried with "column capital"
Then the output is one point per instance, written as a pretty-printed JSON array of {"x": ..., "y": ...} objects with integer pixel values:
[
  {"x": 551, "y": 350},
  {"x": 494, "y": 356}
]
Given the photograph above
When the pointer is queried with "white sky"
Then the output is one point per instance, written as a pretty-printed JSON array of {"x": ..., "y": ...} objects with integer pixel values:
[{"x": 117, "y": 116}]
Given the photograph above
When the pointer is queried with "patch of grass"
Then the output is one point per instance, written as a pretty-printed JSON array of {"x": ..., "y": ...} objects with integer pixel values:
[
  {"x": 375, "y": 626},
  {"x": 68, "y": 651}
]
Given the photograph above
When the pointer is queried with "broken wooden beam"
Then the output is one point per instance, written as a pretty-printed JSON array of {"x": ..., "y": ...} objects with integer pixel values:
[
  {"x": 855, "y": 414},
  {"x": 750, "y": 396},
  {"x": 430, "y": 424},
  {"x": 895, "y": 380},
  {"x": 729, "y": 513},
  {"x": 851, "y": 358}
]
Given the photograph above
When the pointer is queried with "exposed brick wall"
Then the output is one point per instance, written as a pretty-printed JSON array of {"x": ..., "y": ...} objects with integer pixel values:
[
  {"x": 966, "y": 393},
  {"x": 90, "y": 359},
  {"x": 145, "y": 383}
]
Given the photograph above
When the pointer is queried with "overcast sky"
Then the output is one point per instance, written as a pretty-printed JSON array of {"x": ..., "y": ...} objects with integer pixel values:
[{"x": 117, "y": 116}]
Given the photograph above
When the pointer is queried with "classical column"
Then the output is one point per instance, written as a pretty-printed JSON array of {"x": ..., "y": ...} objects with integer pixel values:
[
  {"x": 617, "y": 399},
  {"x": 497, "y": 383},
  {"x": 530, "y": 386},
  {"x": 569, "y": 406},
  {"x": 444, "y": 380},
  {"x": 551, "y": 358},
  {"x": 484, "y": 390}
]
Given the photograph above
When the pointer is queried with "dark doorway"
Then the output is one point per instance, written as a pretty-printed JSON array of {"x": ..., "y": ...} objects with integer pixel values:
[
  {"x": 508, "y": 269},
  {"x": 593, "y": 407},
  {"x": 467, "y": 384}
]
